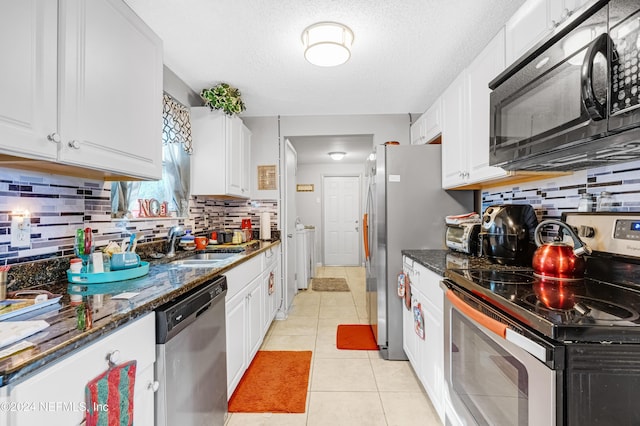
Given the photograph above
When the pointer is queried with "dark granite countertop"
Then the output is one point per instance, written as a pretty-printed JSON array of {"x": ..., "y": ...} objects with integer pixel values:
[
  {"x": 439, "y": 261},
  {"x": 164, "y": 282}
]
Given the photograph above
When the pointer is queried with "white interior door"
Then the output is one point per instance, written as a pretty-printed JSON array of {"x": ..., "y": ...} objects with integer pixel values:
[
  {"x": 291, "y": 160},
  {"x": 341, "y": 220}
]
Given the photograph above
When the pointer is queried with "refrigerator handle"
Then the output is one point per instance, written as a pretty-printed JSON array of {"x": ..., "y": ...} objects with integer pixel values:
[{"x": 365, "y": 235}]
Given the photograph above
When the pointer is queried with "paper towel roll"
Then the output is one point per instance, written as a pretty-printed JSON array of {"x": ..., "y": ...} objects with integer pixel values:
[{"x": 265, "y": 226}]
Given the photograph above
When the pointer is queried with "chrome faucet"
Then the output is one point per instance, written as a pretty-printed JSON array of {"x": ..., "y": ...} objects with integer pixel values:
[{"x": 174, "y": 232}]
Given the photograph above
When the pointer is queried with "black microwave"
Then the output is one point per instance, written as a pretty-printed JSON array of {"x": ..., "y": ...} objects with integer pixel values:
[{"x": 573, "y": 101}]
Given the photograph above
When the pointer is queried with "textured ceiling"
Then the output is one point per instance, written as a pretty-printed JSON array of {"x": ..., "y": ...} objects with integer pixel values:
[
  {"x": 316, "y": 149},
  {"x": 404, "y": 55}
]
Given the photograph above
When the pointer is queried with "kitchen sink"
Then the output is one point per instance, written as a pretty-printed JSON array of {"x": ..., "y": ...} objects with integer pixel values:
[
  {"x": 204, "y": 260},
  {"x": 213, "y": 256}
]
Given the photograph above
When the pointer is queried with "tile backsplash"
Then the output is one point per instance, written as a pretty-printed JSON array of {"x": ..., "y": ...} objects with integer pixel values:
[
  {"x": 551, "y": 197},
  {"x": 59, "y": 205}
]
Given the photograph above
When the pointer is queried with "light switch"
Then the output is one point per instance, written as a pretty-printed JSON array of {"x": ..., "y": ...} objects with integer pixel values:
[{"x": 20, "y": 231}]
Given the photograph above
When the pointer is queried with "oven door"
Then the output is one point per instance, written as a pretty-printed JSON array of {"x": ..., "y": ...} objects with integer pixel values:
[
  {"x": 491, "y": 379},
  {"x": 556, "y": 100}
]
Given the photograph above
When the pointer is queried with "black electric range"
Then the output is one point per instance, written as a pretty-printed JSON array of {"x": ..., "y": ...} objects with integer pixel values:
[
  {"x": 587, "y": 310},
  {"x": 602, "y": 307}
]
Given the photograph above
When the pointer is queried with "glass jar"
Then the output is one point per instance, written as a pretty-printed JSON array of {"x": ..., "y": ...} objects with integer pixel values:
[
  {"x": 584, "y": 204},
  {"x": 605, "y": 202}
]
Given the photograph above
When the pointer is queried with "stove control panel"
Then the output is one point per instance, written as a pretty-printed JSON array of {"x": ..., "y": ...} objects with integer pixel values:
[{"x": 615, "y": 233}]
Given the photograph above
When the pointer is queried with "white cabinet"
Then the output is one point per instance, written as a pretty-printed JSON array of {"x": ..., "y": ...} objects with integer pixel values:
[
  {"x": 271, "y": 286},
  {"x": 93, "y": 99},
  {"x": 28, "y": 78},
  {"x": 237, "y": 340},
  {"x": 465, "y": 130},
  {"x": 428, "y": 125},
  {"x": 426, "y": 355},
  {"x": 487, "y": 65},
  {"x": 56, "y": 395},
  {"x": 533, "y": 21},
  {"x": 454, "y": 110},
  {"x": 220, "y": 163},
  {"x": 247, "y": 312}
]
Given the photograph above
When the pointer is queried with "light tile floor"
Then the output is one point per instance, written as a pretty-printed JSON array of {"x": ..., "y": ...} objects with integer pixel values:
[{"x": 349, "y": 388}]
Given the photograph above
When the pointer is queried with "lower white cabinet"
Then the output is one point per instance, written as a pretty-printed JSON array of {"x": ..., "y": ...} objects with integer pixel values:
[
  {"x": 426, "y": 354},
  {"x": 56, "y": 395},
  {"x": 250, "y": 309},
  {"x": 270, "y": 286}
]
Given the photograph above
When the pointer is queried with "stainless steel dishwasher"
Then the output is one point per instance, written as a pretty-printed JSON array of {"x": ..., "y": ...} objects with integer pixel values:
[{"x": 191, "y": 357}]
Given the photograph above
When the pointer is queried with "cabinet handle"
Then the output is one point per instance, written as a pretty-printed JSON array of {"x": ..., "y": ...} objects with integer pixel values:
[
  {"x": 153, "y": 386},
  {"x": 289, "y": 235},
  {"x": 565, "y": 14},
  {"x": 114, "y": 357},
  {"x": 54, "y": 137},
  {"x": 74, "y": 144}
]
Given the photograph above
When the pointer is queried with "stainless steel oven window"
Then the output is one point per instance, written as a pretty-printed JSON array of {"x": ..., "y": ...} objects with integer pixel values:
[{"x": 492, "y": 384}]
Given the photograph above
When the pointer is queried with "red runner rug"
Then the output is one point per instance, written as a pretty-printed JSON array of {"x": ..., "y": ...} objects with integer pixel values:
[
  {"x": 356, "y": 337},
  {"x": 275, "y": 382}
]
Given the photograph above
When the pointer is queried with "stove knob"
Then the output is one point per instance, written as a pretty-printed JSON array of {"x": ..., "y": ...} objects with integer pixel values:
[{"x": 586, "y": 231}]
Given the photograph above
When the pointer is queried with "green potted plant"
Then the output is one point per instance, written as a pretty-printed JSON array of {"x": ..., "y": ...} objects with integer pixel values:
[{"x": 224, "y": 97}]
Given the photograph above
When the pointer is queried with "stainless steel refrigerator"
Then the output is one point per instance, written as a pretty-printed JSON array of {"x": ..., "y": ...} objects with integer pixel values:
[{"x": 405, "y": 208}]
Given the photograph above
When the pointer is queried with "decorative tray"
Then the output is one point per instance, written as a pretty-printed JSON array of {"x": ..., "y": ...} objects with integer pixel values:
[
  {"x": 24, "y": 301},
  {"x": 107, "y": 277}
]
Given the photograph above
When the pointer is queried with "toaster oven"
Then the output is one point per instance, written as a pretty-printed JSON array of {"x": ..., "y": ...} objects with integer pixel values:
[{"x": 463, "y": 237}]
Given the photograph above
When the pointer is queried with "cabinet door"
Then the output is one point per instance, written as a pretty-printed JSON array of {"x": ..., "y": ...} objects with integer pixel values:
[
  {"x": 483, "y": 69},
  {"x": 526, "y": 27},
  {"x": 255, "y": 301},
  {"x": 433, "y": 120},
  {"x": 417, "y": 131},
  {"x": 208, "y": 161},
  {"x": 245, "y": 187},
  {"x": 110, "y": 89},
  {"x": 144, "y": 409},
  {"x": 56, "y": 395},
  {"x": 432, "y": 352},
  {"x": 28, "y": 78},
  {"x": 237, "y": 340},
  {"x": 454, "y": 107},
  {"x": 234, "y": 157}
]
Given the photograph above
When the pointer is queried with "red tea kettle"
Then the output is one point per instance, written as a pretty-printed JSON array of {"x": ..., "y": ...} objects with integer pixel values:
[{"x": 559, "y": 260}]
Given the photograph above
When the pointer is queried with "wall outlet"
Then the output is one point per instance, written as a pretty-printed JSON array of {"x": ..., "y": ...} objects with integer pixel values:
[{"x": 20, "y": 231}]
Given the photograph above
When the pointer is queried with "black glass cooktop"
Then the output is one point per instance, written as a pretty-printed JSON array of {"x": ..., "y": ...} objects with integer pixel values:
[{"x": 586, "y": 310}]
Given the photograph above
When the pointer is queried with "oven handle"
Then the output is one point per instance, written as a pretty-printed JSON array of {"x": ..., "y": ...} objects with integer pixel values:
[
  {"x": 489, "y": 323},
  {"x": 596, "y": 110},
  {"x": 498, "y": 328}
]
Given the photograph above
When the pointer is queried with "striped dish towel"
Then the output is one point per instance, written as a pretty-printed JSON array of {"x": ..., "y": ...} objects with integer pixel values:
[{"x": 109, "y": 397}]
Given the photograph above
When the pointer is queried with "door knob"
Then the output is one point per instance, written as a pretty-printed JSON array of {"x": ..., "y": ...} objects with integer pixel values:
[
  {"x": 153, "y": 385},
  {"x": 74, "y": 144},
  {"x": 53, "y": 137}
]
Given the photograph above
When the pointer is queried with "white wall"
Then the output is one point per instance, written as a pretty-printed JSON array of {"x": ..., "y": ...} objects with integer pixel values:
[
  {"x": 384, "y": 127},
  {"x": 264, "y": 152},
  {"x": 309, "y": 204}
]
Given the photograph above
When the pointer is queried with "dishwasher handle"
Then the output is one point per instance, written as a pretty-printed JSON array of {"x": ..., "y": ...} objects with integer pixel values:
[{"x": 203, "y": 310}]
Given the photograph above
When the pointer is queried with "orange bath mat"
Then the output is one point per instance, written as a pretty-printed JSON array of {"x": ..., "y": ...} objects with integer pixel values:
[
  {"x": 275, "y": 382},
  {"x": 356, "y": 337}
]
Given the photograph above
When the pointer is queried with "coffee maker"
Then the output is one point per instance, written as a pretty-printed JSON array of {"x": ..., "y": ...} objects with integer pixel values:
[{"x": 507, "y": 234}]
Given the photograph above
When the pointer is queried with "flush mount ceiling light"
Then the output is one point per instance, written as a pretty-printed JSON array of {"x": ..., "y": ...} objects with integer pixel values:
[
  {"x": 336, "y": 155},
  {"x": 327, "y": 44}
]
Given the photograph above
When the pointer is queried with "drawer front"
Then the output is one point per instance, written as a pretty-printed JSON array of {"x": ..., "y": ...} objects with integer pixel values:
[
  {"x": 56, "y": 395},
  {"x": 243, "y": 274}
]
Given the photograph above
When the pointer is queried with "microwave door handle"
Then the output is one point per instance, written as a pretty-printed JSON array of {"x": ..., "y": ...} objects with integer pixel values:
[{"x": 596, "y": 109}]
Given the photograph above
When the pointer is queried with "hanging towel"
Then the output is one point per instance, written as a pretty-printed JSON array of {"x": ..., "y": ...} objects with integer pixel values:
[{"x": 109, "y": 397}]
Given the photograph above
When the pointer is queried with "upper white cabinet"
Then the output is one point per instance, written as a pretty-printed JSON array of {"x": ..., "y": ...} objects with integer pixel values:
[
  {"x": 465, "y": 120},
  {"x": 487, "y": 65},
  {"x": 28, "y": 78},
  {"x": 220, "y": 163},
  {"x": 91, "y": 100},
  {"x": 454, "y": 120},
  {"x": 428, "y": 125},
  {"x": 533, "y": 21}
]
